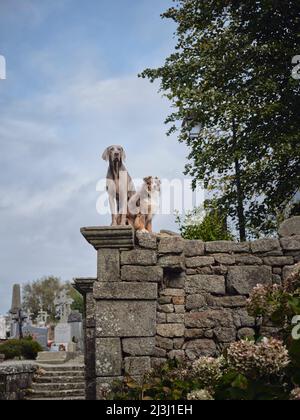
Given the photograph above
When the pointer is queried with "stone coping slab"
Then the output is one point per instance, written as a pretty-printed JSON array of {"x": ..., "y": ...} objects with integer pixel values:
[
  {"x": 125, "y": 291},
  {"x": 109, "y": 237}
]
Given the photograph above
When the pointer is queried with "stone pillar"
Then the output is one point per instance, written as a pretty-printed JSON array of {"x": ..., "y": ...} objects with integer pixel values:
[
  {"x": 123, "y": 312},
  {"x": 85, "y": 288}
]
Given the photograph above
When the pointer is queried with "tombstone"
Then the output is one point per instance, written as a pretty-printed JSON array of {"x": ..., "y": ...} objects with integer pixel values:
[
  {"x": 42, "y": 319},
  {"x": 38, "y": 334},
  {"x": 75, "y": 321},
  {"x": 2, "y": 328},
  {"x": 63, "y": 331}
]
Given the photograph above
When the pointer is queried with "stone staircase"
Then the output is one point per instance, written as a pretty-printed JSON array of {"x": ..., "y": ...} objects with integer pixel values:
[{"x": 64, "y": 382}]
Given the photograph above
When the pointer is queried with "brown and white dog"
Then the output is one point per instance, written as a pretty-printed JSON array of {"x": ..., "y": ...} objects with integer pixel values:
[
  {"x": 145, "y": 204},
  {"x": 119, "y": 185}
]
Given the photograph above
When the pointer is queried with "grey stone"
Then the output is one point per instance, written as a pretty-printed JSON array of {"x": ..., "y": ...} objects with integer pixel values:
[
  {"x": 172, "y": 292},
  {"x": 290, "y": 227},
  {"x": 176, "y": 355},
  {"x": 143, "y": 274},
  {"x": 147, "y": 240},
  {"x": 90, "y": 311},
  {"x": 226, "y": 247},
  {"x": 125, "y": 291},
  {"x": 198, "y": 348},
  {"x": 277, "y": 270},
  {"x": 203, "y": 270},
  {"x": 195, "y": 262},
  {"x": 143, "y": 257},
  {"x": 227, "y": 301},
  {"x": 171, "y": 245},
  {"x": 161, "y": 318},
  {"x": 137, "y": 365},
  {"x": 157, "y": 362},
  {"x": 159, "y": 352},
  {"x": 172, "y": 262},
  {"x": 279, "y": 261},
  {"x": 225, "y": 335},
  {"x": 175, "y": 318},
  {"x": 108, "y": 357},
  {"x": 207, "y": 284},
  {"x": 194, "y": 248},
  {"x": 242, "y": 280},
  {"x": 265, "y": 245},
  {"x": 108, "y": 265},
  {"x": 178, "y": 343},
  {"x": 194, "y": 333},
  {"x": 243, "y": 319},
  {"x": 167, "y": 309},
  {"x": 245, "y": 333},
  {"x": 195, "y": 302},
  {"x": 170, "y": 330},
  {"x": 179, "y": 309},
  {"x": 209, "y": 319},
  {"x": 163, "y": 300},
  {"x": 221, "y": 270},
  {"x": 164, "y": 343},
  {"x": 248, "y": 260},
  {"x": 125, "y": 318},
  {"x": 291, "y": 244},
  {"x": 224, "y": 259},
  {"x": 104, "y": 387},
  {"x": 139, "y": 346}
]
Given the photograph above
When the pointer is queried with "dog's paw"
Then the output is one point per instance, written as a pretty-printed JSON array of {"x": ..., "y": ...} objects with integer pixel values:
[{"x": 143, "y": 231}]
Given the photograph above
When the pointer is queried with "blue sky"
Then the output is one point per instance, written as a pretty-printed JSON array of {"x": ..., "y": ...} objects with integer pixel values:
[{"x": 71, "y": 90}]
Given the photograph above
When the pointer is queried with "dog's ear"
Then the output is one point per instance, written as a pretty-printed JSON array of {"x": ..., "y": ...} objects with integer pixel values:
[
  {"x": 105, "y": 155},
  {"x": 123, "y": 155}
]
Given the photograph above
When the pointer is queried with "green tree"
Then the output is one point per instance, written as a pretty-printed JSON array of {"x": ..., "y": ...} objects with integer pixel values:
[
  {"x": 41, "y": 294},
  {"x": 206, "y": 225},
  {"x": 231, "y": 74}
]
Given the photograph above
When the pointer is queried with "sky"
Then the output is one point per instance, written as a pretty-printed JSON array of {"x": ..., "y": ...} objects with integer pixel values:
[{"x": 72, "y": 90}]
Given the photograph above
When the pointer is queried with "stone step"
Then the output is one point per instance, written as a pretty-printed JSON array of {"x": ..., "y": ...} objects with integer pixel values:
[
  {"x": 62, "y": 368},
  {"x": 47, "y": 379},
  {"x": 63, "y": 373},
  {"x": 37, "y": 387},
  {"x": 63, "y": 394}
]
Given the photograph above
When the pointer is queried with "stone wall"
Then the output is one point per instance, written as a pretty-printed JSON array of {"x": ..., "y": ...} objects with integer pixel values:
[
  {"x": 158, "y": 297},
  {"x": 15, "y": 380}
]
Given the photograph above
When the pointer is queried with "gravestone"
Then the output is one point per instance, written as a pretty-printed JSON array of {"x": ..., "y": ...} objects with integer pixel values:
[{"x": 38, "y": 334}]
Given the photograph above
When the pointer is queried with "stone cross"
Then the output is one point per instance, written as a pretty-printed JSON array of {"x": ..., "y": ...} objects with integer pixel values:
[{"x": 63, "y": 306}]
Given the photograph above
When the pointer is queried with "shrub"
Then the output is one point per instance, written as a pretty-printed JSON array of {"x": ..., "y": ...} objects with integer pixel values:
[{"x": 26, "y": 348}]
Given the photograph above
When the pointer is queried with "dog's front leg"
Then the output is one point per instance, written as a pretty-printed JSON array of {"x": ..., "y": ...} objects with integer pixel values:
[
  {"x": 112, "y": 194},
  {"x": 114, "y": 214},
  {"x": 123, "y": 206}
]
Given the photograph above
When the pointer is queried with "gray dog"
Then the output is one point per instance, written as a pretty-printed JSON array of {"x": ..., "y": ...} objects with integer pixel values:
[{"x": 120, "y": 186}]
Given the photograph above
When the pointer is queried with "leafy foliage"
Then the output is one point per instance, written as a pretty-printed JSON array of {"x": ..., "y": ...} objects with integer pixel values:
[
  {"x": 231, "y": 74},
  {"x": 211, "y": 227},
  {"x": 26, "y": 348}
]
